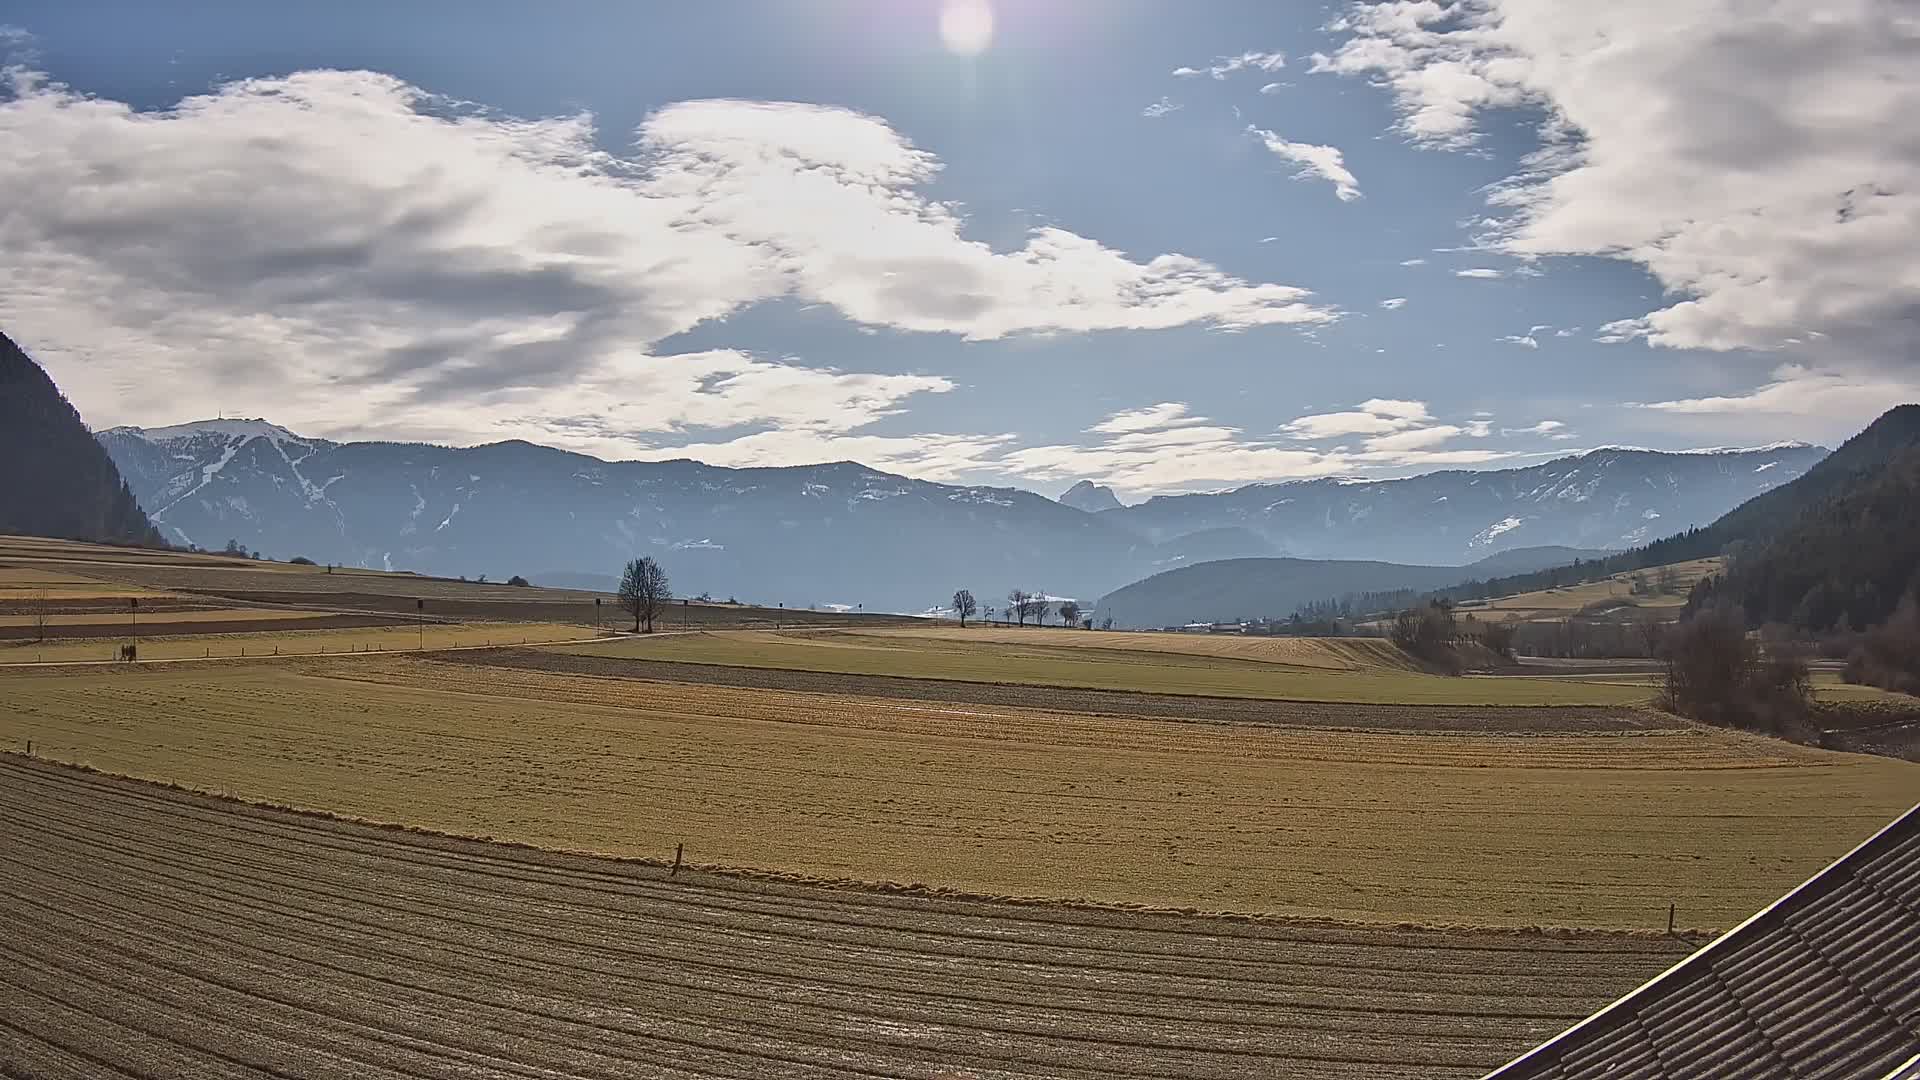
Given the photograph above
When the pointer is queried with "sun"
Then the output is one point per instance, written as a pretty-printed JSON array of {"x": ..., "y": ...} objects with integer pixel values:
[{"x": 966, "y": 26}]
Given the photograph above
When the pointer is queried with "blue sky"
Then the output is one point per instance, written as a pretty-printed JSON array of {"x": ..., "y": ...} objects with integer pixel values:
[{"x": 446, "y": 222}]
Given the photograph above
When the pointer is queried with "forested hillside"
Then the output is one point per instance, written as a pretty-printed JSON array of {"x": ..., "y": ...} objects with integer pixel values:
[
  {"x": 55, "y": 480},
  {"x": 1844, "y": 562}
]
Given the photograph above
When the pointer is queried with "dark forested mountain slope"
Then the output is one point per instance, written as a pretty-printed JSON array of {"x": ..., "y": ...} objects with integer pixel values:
[
  {"x": 55, "y": 480},
  {"x": 1844, "y": 562}
]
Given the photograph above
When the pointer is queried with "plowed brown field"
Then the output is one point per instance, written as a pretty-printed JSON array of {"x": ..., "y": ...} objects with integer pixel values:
[
  {"x": 1596, "y": 829},
  {"x": 156, "y": 933}
]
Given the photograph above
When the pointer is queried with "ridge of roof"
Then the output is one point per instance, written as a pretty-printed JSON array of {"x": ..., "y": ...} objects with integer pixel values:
[{"x": 1545, "y": 1061}]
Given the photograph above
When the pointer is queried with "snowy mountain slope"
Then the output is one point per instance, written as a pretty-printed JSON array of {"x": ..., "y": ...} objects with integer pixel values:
[
  {"x": 817, "y": 534},
  {"x": 845, "y": 533},
  {"x": 1607, "y": 498}
]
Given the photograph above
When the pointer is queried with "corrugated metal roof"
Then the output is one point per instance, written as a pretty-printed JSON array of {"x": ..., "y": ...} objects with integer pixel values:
[{"x": 1825, "y": 982}]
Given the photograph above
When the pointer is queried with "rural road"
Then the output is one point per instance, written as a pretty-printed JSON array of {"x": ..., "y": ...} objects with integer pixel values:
[{"x": 156, "y": 933}]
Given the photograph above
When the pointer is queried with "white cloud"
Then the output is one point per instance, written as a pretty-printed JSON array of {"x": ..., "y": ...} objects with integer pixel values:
[
  {"x": 1768, "y": 208},
  {"x": 1413, "y": 262},
  {"x": 1163, "y": 447},
  {"x": 1273, "y": 88},
  {"x": 1415, "y": 439},
  {"x": 1164, "y": 415},
  {"x": 1314, "y": 160},
  {"x": 1552, "y": 429},
  {"x": 349, "y": 255},
  {"x": 1161, "y": 108},
  {"x": 940, "y": 458},
  {"x": 1527, "y": 340},
  {"x": 1375, "y": 416},
  {"x": 1621, "y": 330},
  {"x": 1394, "y": 303},
  {"x": 1480, "y": 272},
  {"x": 1795, "y": 390},
  {"x": 1566, "y": 331},
  {"x": 1334, "y": 424},
  {"x": 1399, "y": 409},
  {"x": 1227, "y": 65}
]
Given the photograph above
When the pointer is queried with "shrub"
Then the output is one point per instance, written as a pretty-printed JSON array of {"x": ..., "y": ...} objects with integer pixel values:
[
  {"x": 302, "y": 560},
  {"x": 1888, "y": 656},
  {"x": 1427, "y": 633},
  {"x": 518, "y": 580},
  {"x": 1499, "y": 637},
  {"x": 1715, "y": 673}
]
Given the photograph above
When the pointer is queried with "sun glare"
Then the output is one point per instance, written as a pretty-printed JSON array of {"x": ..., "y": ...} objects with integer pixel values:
[{"x": 966, "y": 26}]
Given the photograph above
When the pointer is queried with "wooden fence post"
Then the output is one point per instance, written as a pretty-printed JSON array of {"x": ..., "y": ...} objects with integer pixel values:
[
  {"x": 1670, "y": 918},
  {"x": 678, "y": 850}
]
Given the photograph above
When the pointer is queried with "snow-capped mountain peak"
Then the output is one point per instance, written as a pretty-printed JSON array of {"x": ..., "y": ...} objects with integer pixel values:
[{"x": 230, "y": 429}]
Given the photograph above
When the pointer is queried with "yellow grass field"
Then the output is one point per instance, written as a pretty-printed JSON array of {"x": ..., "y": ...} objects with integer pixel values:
[
  {"x": 1560, "y": 603},
  {"x": 1339, "y": 670},
  {"x": 1332, "y": 654},
  {"x": 216, "y": 618},
  {"x": 1578, "y": 830},
  {"x": 37, "y": 583},
  {"x": 139, "y": 569},
  {"x": 291, "y": 642}
]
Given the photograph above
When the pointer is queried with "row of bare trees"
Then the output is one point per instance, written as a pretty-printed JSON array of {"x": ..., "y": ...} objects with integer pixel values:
[{"x": 1021, "y": 606}]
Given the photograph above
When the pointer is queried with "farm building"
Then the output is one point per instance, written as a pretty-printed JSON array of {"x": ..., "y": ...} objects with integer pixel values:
[{"x": 1825, "y": 982}]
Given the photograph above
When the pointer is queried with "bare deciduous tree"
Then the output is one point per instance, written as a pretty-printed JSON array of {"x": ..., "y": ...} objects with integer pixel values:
[
  {"x": 1069, "y": 612},
  {"x": 1667, "y": 580},
  {"x": 964, "y": 605},
  {"x": 1036, "y": 608},
  {"x": 644, "y": 590},
  {"x": 1019, "y": 603}
]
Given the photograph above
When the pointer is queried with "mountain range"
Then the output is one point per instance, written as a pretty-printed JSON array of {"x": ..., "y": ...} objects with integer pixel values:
[
  {"x": 843, "y": 533},
  {"x": 1612, "y": 497}
]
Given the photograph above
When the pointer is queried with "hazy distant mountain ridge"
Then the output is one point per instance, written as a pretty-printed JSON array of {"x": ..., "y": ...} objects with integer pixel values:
[
  {"x": 1608, "y": 498},
  {"x": 833, "y": 533},
  {"x": 1091, "y": 497},
  {"x": 1233, "y": 589},
  {"x": 798, "y": 535}
]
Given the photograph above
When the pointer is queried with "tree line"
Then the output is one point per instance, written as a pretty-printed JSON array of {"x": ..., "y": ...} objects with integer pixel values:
[{"x": 1021, "y": 607}]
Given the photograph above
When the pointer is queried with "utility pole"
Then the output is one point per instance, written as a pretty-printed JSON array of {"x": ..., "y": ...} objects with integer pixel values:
[
  {"x": 133, "y": 607},
  {"x": 420, "y": 617}
]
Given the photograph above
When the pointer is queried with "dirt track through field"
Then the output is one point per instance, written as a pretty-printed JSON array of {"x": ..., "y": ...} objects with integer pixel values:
[
  {"x": 157, "y": 933},
  {"x": 1476, "y": 719}
]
